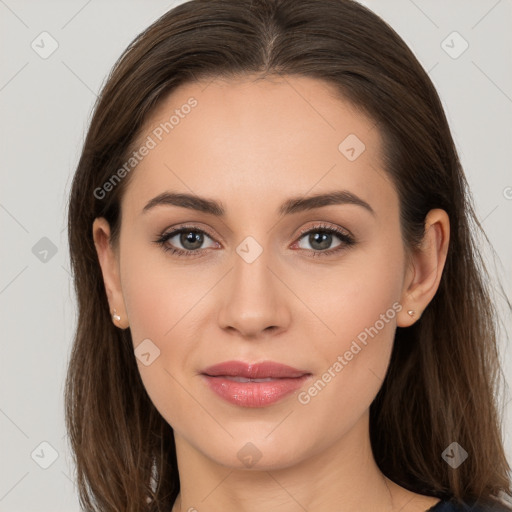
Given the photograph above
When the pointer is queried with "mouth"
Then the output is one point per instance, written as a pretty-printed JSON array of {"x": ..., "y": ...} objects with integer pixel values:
[
  {"x": 243, "y": 379},
  {"x": 255, "y": 371},
  {"x": 253, "y": 385}
]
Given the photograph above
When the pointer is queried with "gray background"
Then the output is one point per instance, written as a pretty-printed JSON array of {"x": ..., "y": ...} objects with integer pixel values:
[{"x": 45, "y": 106}]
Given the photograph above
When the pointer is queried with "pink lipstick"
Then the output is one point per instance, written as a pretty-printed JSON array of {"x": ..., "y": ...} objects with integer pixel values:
[{"x": 253, "y": 385}]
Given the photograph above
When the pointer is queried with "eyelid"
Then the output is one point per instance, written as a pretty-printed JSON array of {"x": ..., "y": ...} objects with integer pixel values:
[
  {"x": 186, "y": 226},
  {"x": 320, "y": 225}
]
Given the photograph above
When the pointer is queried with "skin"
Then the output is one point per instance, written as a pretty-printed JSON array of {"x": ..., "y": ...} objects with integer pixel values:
[{"x": 251, "y": 146}]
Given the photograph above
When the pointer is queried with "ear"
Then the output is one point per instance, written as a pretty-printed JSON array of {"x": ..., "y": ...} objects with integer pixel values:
[
  {"x": 425, "y": 267},
  {"x": 109, "y": 263}
]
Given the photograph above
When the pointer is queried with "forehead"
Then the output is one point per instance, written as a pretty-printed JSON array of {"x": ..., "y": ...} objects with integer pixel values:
[{"x": 258, "y": 140}]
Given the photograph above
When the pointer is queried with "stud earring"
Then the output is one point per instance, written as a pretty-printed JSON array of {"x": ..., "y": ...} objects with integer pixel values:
[
  {"x": 115, "y": 316},
  {"x": 411, "y": 312}
]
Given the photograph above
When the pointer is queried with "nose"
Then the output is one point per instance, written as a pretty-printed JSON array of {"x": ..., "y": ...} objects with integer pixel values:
[{"x": 253, "y": 300}]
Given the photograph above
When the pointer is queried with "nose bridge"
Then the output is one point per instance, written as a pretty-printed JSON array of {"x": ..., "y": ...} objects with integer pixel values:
[
  {"x": 254, "y": 300},
  {"x": 251, "y": 264}
]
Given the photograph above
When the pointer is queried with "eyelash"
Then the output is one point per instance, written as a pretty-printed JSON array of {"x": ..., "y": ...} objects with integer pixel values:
[{"x": 346, "y": 239}]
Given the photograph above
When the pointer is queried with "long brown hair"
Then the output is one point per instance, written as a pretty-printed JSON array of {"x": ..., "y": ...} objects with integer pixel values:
[{"x": 444, "y": 372}]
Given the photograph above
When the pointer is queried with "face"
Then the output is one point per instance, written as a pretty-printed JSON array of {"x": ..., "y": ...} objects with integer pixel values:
[{"x": 314, "y": 285}]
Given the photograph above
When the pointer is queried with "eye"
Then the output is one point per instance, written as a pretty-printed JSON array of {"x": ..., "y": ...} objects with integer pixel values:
[
  {"x": 321, "y": 237},
  {"x": 189, "y": 237}
]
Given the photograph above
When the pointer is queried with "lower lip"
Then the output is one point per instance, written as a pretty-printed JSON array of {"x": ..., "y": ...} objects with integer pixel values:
[{"x": 254, "y": 394}]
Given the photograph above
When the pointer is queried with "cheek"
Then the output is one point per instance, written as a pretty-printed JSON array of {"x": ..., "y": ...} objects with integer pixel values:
[
  {"x": 355, "y": 365},
  {"x": 155, "y": 311},
  {"x": 359, "y": 305},
  {"x": 352, "y": 296},
  {"x": 163, "y": 302},
  {"x": 158, "y": 290}
]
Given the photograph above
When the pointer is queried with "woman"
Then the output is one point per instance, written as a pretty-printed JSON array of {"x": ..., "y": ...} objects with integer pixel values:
[{"x": 282, "y": 305}]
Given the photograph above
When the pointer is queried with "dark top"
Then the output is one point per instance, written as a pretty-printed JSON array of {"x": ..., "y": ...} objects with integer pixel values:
[{"x": 449, "y": 506}]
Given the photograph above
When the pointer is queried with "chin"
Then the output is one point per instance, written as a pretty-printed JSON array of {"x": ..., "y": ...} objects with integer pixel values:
[{"x": 256, "y": 454}]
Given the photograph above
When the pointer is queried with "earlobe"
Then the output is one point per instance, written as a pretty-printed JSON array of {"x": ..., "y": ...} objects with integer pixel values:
[
  {"x": 425, "y": 268},
  {"x": 110, "y": 270}
]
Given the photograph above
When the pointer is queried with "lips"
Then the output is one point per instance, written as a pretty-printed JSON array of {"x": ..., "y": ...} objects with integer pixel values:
[
  {"x": 253, "y": 385},
  {"x": 263, "y": 370}
]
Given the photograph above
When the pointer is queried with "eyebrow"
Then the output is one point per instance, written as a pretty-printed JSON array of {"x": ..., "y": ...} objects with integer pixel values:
[{"x": 291, "y": 206}]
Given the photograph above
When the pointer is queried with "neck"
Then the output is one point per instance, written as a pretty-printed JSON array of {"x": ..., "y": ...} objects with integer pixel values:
[{"x": 340, "y": 478}]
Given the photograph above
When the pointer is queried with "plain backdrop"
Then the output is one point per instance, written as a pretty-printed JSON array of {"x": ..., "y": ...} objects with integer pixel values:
[{"x": 45, "y": 107}]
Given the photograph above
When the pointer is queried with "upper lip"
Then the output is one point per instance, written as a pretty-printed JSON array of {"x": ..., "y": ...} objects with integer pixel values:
[{"x": 265, "y": 369}]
